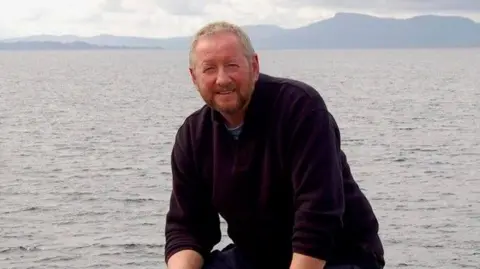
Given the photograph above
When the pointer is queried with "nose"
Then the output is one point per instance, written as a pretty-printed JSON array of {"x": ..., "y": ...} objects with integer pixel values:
[{"x": 223, "y": 79}]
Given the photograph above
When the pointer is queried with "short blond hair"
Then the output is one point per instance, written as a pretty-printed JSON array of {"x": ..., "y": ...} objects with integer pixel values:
[{"x": 218, "y": 27}]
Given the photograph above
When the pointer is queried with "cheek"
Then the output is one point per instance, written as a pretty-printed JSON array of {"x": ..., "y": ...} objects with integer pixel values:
[
  {"x": 247, "y": 84},
  {"x": 205, "y": 89}
]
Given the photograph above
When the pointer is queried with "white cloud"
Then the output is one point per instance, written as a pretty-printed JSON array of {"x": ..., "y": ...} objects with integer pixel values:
[{"x": 160, "y": 18}]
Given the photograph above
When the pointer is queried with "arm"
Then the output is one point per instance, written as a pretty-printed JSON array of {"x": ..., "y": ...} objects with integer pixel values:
[
  {"x": 188, "y": 259},
  {"x": 318, "y": 188},
  {"x": 300, "y": 261},
  {"x": 192, "y": 227}
]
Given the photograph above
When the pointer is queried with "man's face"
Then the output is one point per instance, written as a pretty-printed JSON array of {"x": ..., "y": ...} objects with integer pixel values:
[{"x": 223, "y": 75}]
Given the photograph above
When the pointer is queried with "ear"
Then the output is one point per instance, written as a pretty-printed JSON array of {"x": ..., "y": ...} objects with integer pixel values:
[
  {"x": 192, "y": 75},
  {"x": 255, "y": 65}
]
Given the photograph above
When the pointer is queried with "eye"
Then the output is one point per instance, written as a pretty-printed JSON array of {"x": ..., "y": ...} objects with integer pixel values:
[
  {"x": 232, "y": 66},
  {"x": 207, "y": 69}
]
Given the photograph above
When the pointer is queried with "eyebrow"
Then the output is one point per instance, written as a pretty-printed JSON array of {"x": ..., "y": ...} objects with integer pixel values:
[{"x": 230, "y": 60}]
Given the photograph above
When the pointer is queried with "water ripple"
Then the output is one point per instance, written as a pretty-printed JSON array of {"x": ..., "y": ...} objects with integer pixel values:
[{"x": 85, "y": 144}]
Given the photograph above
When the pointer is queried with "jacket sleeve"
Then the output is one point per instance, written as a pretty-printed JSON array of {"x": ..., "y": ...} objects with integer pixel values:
[
  {"x": 191, "y": 222},
  {"x": 314, "y": 153}
]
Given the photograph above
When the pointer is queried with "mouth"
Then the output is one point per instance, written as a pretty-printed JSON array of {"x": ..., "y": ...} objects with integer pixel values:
[{"x": 225, "y": 92}]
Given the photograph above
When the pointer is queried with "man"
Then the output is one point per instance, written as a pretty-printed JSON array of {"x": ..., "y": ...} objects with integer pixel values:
[{"x": 264, "y": 153}]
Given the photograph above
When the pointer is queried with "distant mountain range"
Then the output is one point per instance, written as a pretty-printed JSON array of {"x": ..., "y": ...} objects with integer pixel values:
[
  {"x": 59, "y": 45},
  {"x": 343, "y": 31}
]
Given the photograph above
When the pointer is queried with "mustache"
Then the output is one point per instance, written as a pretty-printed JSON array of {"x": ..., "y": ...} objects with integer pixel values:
[{"x": 229, "y": 87}]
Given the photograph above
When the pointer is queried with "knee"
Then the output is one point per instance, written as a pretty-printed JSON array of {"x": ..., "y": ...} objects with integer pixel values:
[{"x": 216, "y": 260}]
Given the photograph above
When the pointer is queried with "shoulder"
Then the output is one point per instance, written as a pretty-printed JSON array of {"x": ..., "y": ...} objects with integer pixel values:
[
  {"x": 192, "y": 129},
  {"x": 292, "y": 94}
]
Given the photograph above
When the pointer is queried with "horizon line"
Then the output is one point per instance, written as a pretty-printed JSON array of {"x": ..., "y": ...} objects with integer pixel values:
[{"x": 400, "y": 18}]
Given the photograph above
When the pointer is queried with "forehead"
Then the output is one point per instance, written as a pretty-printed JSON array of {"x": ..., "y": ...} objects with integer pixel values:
[{"x": 218, "y": 46}]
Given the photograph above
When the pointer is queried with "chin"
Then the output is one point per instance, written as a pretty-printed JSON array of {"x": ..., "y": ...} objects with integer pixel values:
[
  {"x": 227, "y": 108},
  {"x": 226, "y": 105}
]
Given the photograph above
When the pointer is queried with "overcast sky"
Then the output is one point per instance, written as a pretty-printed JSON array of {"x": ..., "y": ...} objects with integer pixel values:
[{"x": 162, "y": 18}]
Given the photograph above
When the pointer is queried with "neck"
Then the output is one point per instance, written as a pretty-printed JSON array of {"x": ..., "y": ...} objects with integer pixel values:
[{"x": 234, "y": 120}]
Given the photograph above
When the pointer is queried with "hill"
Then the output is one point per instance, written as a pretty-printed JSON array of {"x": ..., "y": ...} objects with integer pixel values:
[
  {"x": 343, "y": 31},
  {"x": 348, "y": 31},
  {"x": 56, "y": 45}
]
